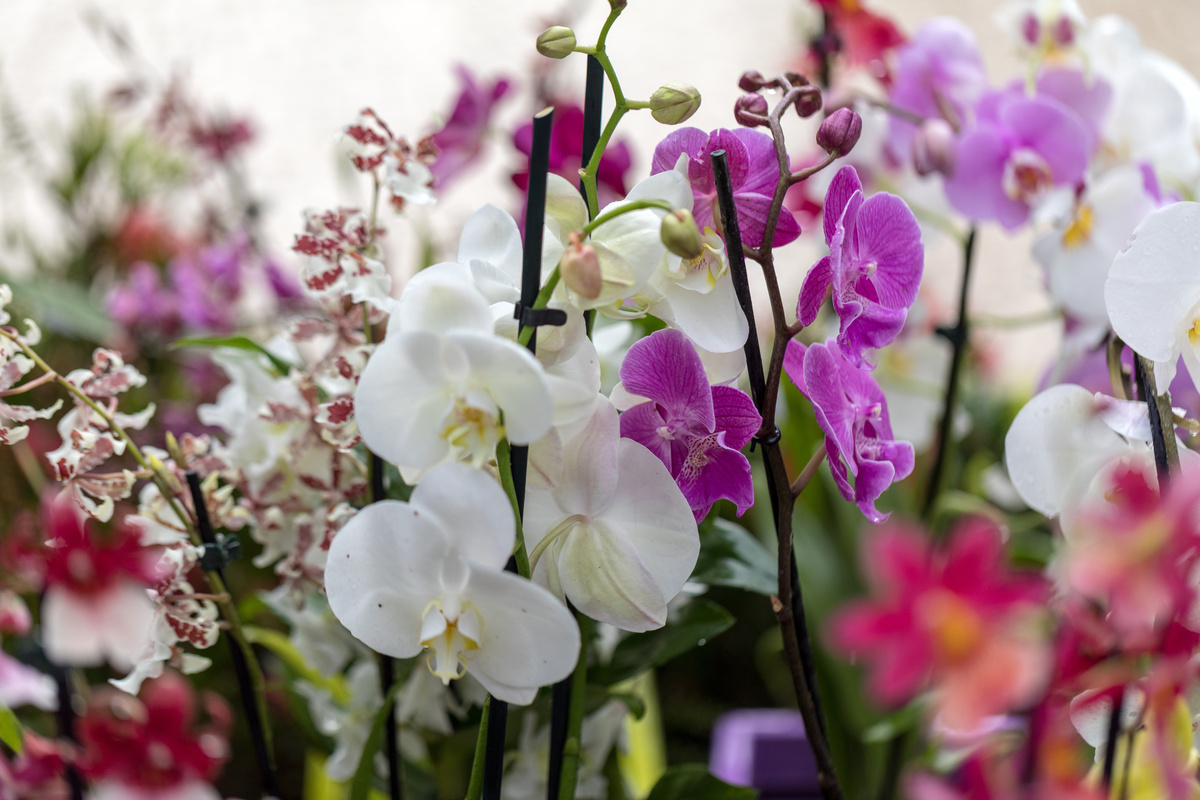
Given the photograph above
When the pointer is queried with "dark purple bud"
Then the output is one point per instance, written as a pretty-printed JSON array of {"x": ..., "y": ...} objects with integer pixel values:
[
  {"x": 751, "y": 81},
  {"x": 840, "y": 131},
  {"x": 809, "y": 102},
  {"x": 795, "y": 79},
  {"x": 1064, "y": 32},
  {"x": 1031, "y": 29},
  {"x": 751, "y": 110},
  {"x": 934, "y": 148}
]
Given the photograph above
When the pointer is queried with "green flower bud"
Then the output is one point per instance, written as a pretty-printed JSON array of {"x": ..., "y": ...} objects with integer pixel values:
[
  {"x": 680, "y": 235},
  {"x": 556, "y": 42},
  {"x": 673, "y": 103}
]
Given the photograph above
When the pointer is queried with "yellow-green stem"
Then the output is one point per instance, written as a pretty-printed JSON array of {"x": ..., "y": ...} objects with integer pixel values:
[
  {"x": 475, "y": 785},
  {"x": 571, "y": 752},
  {"x": 504, "y": 463}
]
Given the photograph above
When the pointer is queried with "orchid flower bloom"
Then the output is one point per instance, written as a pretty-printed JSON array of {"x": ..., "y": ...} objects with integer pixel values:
[
  {"x": 429, "y": 573},
  {"x": 753, "y": 171},
  {"x": 1019, "y": 148},
  {"x": 437, "y": 385},
  {"x": 460, "y": 143},
  {"x": 1153, "y": 291},
  {"x": 96, "y": 605},
  {"x": 874, "y": 266},
  {"x": 609, "y": 530},
  {"x": 1077, "y": 254},
  {"x": 959, "y": 619},
  {"x": 696, "y": 430},
  {"x": 853, "y": 413}
]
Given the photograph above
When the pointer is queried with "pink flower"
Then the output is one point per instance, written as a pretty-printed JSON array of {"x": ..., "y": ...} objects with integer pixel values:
[
  {"x": 956, "y": 619},
  {"x": 460, "y": 142},
  {"x": 95, "y": 606},
  {"x": 150, "y": 747},
  {"x": 1135, "y": 554},
  {"x": 566, "y": 144}
]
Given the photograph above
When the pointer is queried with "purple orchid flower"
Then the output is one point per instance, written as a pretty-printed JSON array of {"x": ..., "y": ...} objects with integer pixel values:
[
  {"x": 874, "y": 265},
  {"x": 753, "y": 171},
  {"x": 566, "y": 144},
  {"x": 1088, "y": 96},
  {"x": 939, "y": 72},
  {"x": 853, "y": 413},
  {"x": 460, "y": 142},
  {"x": 695, "y": 429},
  {"x": 1019, "y": 147}
]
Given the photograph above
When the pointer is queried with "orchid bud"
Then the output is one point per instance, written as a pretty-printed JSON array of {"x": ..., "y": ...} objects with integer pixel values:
[
  {"x": 751, "y": 81},
  {"x": 556, "y": 42},
  {"x": 839, "y": 131},
  {"x": 673, "y": 103},
  {"x": 615, "y": 4},
  {"x": 934, "y": 148},
  {"x": 751, "y": 110},
  {"x": 795, "y": 79},
  {"x": 680, "y": 235},
  {"x": 580, "y": 269},
  {"x": 809, "y": 101}
]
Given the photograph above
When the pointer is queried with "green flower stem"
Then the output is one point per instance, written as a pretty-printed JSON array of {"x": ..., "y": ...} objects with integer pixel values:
[
  {"x": 475, "y": 785},
  {"x": 625, "y": 208},
  {"x": 542, "y": 300},
  {"x": 588, "y": 176},
  {"x": 571, "y": 752},
  {"x": 162, "y": 480},
  {"x": 504, "y": 463}
]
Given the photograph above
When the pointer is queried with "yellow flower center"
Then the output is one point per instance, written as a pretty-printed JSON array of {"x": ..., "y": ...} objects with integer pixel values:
[
  {"x": 956, "y": 628},
  {"x": 1080, "y": 229},
  {"x": 451, "y": 640},
  {"x": 472, "y": 433}
]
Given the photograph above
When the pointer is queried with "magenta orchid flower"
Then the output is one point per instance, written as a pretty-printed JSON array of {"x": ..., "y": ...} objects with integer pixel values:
[
  {"x": 695, "y": 429},
  {"x": 1019, "y": 148},
  {"x": 460, "y": 142},
  {"x": 753, "y": 171},
  {"x": 874, "y": 266},
  {"x": 566, "y": 143},
  {"x": 853, "y": 413}
]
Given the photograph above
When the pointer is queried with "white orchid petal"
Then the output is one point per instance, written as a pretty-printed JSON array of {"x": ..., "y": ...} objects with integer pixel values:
[
  {"x": 379, "y": 576},
  {"x": 1153, "y": 286},
  {"x": 472, "y": 510},
  {"x": 490, "y": 235},
  {"x": 589, "y": 475},
  {"x": 443, "y": 298},
  {"x": 527, "y": 637},
  {"x": 565, "y": 206},
  {"x": 603, "y": 574},
  {"x": 1056, "y": 444},
  {"x": 513, "y": 378},
  {"x": 713, "y": 320}
]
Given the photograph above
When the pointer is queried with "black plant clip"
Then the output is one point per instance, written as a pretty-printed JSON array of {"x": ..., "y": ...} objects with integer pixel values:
[
  {"x": 536, "y": 317},
  {"x": 772, "y": 438},
  {"x": 217, "y": 555}
]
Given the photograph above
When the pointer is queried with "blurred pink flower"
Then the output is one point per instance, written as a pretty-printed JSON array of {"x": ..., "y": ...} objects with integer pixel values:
[{"x": 460, "y": 142}]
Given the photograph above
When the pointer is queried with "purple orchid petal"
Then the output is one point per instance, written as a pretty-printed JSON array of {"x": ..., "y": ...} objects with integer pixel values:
[
  {"x": 642, "y": 424},
  {"x": 664, "y": 367},
  {"x": 714, "y": 472},
  {"x": 841, "y": 189},
  {"x": 835, "y": 411},
  {"x": 1088, "y": 96},
  {"x": 1054, "y": 131},
  {"x": 735, "y": 415},
  {"x": 878, "y": 327},
  {"x": 737, "y": 155},
  {"x": 753, "y": 210},
  {"x": 762, "y": 162},
  {"x": 682, "y": 140},
  {"x": 977, "y": 187},
  {"x": 793, "y": 364},
  {"x": 812, "y": 292}
]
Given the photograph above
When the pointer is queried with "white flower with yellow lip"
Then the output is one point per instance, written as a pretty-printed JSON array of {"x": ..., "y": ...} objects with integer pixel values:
[
  {"x": 429, "y": 574},
  {"x": 1153, "y": 291}
]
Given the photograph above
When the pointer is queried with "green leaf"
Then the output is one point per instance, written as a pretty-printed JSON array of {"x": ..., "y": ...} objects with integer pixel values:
[
  {"x": 635, "y": 704},
  {"x": 237, "y": 343},
  {"x": 895, "y": 724},
  {"x": 360, "y": 789},
  {"x": 694, "y": 782},
  {"x": 700, "y": 621},
  {"x": 731, "y": 556},
  {"x": 10, "y": 729},
  {"x": 60, "y": 306}
]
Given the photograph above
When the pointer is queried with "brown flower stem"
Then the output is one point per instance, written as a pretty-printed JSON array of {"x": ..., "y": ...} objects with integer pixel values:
[{"x": 810, "y": 469}]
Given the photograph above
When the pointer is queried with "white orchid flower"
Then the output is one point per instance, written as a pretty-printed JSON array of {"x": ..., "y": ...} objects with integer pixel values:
[
  {"x": 403, "y": 577},
  {"x": 1153, "y": 291},
  {"x": 437, "y": 386},
  {"x": 1076, "y": 255},
  {"x": 610, "y": 531}
]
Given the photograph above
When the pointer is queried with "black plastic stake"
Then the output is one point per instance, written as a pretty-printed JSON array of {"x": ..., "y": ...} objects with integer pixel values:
[
  {"x": 531, "y": 279},
  {"x": 387, "y": 666},
  {"x": 241, "y": 669},
  {"x": 754, "y": 369}
]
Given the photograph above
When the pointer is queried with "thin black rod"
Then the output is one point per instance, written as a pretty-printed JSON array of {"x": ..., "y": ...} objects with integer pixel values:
[
  {"x": 65, "y": 719},
  {"x": 754, "y": 369},
  {"x": 387, "y": 666},
  {"x": 1148, "y": 394},
  {"x": 958, "y": 336},
  {"x": 531, "y": 279},
  {"x": 560, "y": 698},
  {"x": 240, "y": 668},
  {"x": 1114, "y": 733}
]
